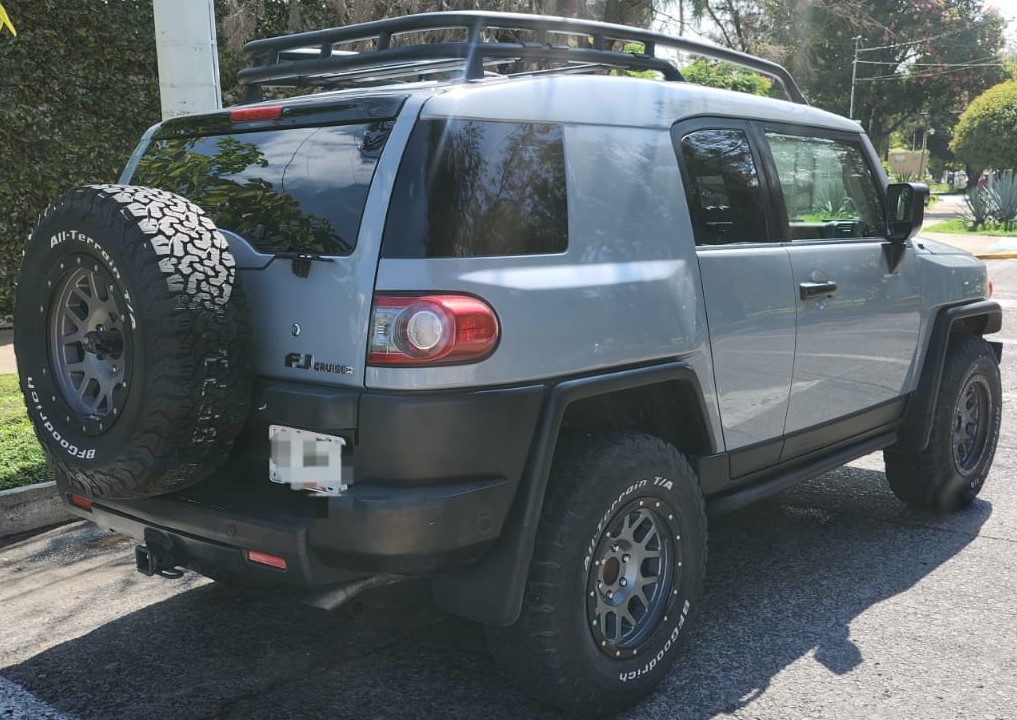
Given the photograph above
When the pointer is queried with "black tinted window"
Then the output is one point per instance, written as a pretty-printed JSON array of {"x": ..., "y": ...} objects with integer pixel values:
[
  {"x": 467, "y": 188},
  {"x": 292, "y": 190},
  {"x": 724, "y": 196}
]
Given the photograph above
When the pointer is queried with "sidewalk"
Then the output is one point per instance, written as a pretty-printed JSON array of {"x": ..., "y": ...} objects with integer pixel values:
[
  {"x": 984, "y": 246},
  {"x": 7, "y": 364}
]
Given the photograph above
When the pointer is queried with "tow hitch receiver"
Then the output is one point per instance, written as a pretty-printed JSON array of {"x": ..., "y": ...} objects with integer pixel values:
[{"x": 155, "y": 561}]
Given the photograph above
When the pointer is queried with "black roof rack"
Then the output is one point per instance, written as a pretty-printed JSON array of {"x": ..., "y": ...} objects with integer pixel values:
[{"x": 316, "y": 58}]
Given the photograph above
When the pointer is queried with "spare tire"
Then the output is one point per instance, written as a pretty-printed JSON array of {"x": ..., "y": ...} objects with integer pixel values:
[{"x": 132, "y": 341}]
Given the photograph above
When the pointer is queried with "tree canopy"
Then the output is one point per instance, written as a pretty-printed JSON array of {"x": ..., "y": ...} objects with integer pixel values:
[
  {"x": 985, "y": 134},
  {"x": 919, "y": 60}
]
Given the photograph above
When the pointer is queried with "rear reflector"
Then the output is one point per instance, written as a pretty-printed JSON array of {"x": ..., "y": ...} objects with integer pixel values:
[
  {"x": 81, "y": 502},
  {"x": 261, "y": 112},
  {"x": 265, "y": 559}
]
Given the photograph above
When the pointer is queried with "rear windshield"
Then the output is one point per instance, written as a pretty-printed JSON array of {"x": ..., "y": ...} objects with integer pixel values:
[
  {"x": 468, "y": 188},
  {"x": 289, "y": 190}
]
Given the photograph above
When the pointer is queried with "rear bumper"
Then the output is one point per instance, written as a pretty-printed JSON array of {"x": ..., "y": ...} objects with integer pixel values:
[
  {"x": 434, "y": 477},
  {"x": 368, "y": 530}
]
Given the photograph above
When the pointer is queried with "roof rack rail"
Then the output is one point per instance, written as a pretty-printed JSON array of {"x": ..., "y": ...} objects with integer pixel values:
[{"x": 316, "y": 58}]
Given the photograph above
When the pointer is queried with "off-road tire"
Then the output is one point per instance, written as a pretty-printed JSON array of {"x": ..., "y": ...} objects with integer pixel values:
[
  {"x": 555, "y": 651},
  {"x": 131, "y": 335},
  {"x": 950, "y": 472}
]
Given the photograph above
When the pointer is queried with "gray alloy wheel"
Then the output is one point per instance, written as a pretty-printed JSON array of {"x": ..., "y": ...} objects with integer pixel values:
[
  {"x": 630, "y": 582},
  {"x": 90, "y": 344}
]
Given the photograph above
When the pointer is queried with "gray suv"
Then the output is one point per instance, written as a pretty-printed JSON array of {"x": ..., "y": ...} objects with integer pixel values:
[{"x": 492, "y": 310}]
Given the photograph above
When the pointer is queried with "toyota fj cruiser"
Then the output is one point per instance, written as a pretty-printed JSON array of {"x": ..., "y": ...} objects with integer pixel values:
[{"x": 491, "y": 310}]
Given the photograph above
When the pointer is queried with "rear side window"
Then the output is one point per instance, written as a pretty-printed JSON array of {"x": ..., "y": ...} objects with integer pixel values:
[
  {"x": 725, "y": 199},
  {"x": 468, "y": 188},
  {"x": 290, "y": 190}
]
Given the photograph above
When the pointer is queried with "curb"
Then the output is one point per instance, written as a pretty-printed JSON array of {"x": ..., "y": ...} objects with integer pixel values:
[
  {"x": 997, "y": 256},
  {"x": 29, "y": 508}
]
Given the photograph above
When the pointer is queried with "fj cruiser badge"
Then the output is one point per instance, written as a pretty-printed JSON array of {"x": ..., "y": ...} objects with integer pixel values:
[{"x": 305, "y": 361}]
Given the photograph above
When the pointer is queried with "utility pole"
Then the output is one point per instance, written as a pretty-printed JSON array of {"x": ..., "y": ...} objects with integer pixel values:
[
  {"x": 854, "y": 76},
  {"x": 188, "y": 56}
]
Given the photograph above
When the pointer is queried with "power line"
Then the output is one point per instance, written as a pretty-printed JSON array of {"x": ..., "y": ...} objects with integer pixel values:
[
  {"x": 921, "y": 75},
  {"x": 969, "y": 63},
  {"x": 924, "y": 40}
]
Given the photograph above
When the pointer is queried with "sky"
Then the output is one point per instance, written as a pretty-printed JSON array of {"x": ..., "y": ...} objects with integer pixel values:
[{"x": 1008, "y": 8}]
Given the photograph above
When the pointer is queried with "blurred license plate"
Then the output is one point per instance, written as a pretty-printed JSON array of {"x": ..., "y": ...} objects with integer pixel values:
[{"x": 306, "y": 460}]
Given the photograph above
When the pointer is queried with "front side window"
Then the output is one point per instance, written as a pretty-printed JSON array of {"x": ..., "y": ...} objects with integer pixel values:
[
  {"x": 725, "y": 199},
  {"x": 829, "y": 190}
]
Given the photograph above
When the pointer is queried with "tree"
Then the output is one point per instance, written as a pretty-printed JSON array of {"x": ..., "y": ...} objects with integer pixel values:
[
  {"x": 986, "y": 134},
  {"x": 919, "y": 60}
]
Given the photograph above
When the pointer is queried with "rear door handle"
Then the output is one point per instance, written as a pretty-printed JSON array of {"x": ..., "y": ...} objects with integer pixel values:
[{"x": 810, "y": 290}]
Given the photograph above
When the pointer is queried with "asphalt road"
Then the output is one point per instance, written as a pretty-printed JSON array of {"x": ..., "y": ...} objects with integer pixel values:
[{"x": 830, "y": 601}]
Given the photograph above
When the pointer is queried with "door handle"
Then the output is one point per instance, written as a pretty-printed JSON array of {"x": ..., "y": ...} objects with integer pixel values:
[{"x": 809, "y": 290}]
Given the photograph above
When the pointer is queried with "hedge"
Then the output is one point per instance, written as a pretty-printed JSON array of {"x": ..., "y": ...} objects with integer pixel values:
[{"x": 78, "y": 87}]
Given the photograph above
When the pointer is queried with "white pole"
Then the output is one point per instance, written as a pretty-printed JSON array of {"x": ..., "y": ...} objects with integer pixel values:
[
  {"x": 854, "y": 78},
  {"x": 188, "y": 56}
]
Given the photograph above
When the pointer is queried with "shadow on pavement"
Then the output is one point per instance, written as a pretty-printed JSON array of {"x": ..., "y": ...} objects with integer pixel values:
[{"x": 786, "y": 578}]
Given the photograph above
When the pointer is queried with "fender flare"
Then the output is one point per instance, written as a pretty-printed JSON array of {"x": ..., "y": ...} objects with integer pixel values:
[
  {"x": 491, "y": 591},
  {"x": 916, "y": 428}
]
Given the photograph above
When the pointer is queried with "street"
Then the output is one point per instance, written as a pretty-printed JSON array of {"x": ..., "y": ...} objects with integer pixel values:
[{"x": 831, "y": 600}]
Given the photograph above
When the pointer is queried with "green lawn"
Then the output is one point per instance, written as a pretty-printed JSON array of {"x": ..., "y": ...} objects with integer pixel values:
[
  {"x": 21, "y": 459},
  {"x": 958, "y": 226}
]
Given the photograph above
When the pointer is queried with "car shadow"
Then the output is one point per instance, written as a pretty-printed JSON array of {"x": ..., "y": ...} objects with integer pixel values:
[{"x": 786, "y": 578}]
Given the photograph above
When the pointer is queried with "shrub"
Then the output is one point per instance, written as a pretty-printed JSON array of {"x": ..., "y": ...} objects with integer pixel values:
[
  {"x": 727, "y": 76},
  {"x": 1002, "y": 189},
  {"x": 980, "y": 207},
  {"x": 984, "y": 136}
]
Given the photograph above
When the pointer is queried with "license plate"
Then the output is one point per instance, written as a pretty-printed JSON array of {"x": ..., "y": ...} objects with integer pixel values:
[{"x": 306, "y": 460}]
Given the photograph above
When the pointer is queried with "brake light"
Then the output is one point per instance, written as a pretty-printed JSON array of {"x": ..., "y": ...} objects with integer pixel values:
[
  {"x": 431, "y": 329},
  {"x": 260, "y": 112}
]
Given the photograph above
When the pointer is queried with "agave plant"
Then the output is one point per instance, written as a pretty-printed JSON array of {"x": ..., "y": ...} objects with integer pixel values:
[
  {"x": 1002, "y": 189},
  {"x": 980, "y": 207},
  {"x": 5, "y": 21}
]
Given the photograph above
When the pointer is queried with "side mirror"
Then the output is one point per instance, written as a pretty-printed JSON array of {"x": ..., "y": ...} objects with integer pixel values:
[{"x": 905, "y": 210}]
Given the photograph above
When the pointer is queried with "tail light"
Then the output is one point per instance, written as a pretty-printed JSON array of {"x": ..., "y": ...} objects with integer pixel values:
[{"x": 431, "y": 329}]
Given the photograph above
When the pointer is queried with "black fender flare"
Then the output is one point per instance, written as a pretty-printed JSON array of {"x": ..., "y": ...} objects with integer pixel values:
[
  {"x": 986, "y": 317},
  {"x": 491, "y": 591}
]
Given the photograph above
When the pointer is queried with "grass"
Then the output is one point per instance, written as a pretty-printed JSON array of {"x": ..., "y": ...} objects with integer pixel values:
[
  {"x": 959, "y": 226},
  {"x": 21, "y": 458}
]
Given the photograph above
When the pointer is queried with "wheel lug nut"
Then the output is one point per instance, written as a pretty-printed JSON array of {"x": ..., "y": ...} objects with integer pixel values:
[
  {"x": 625, "y": 558},
  {"x": 614, "y": 548},
  {"x": 610, "y": 594},
  {"x": 623, "y": 582}
]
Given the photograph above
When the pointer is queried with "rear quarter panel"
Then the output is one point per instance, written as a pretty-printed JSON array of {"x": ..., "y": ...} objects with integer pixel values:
[{"x": 626, "y": 291}]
